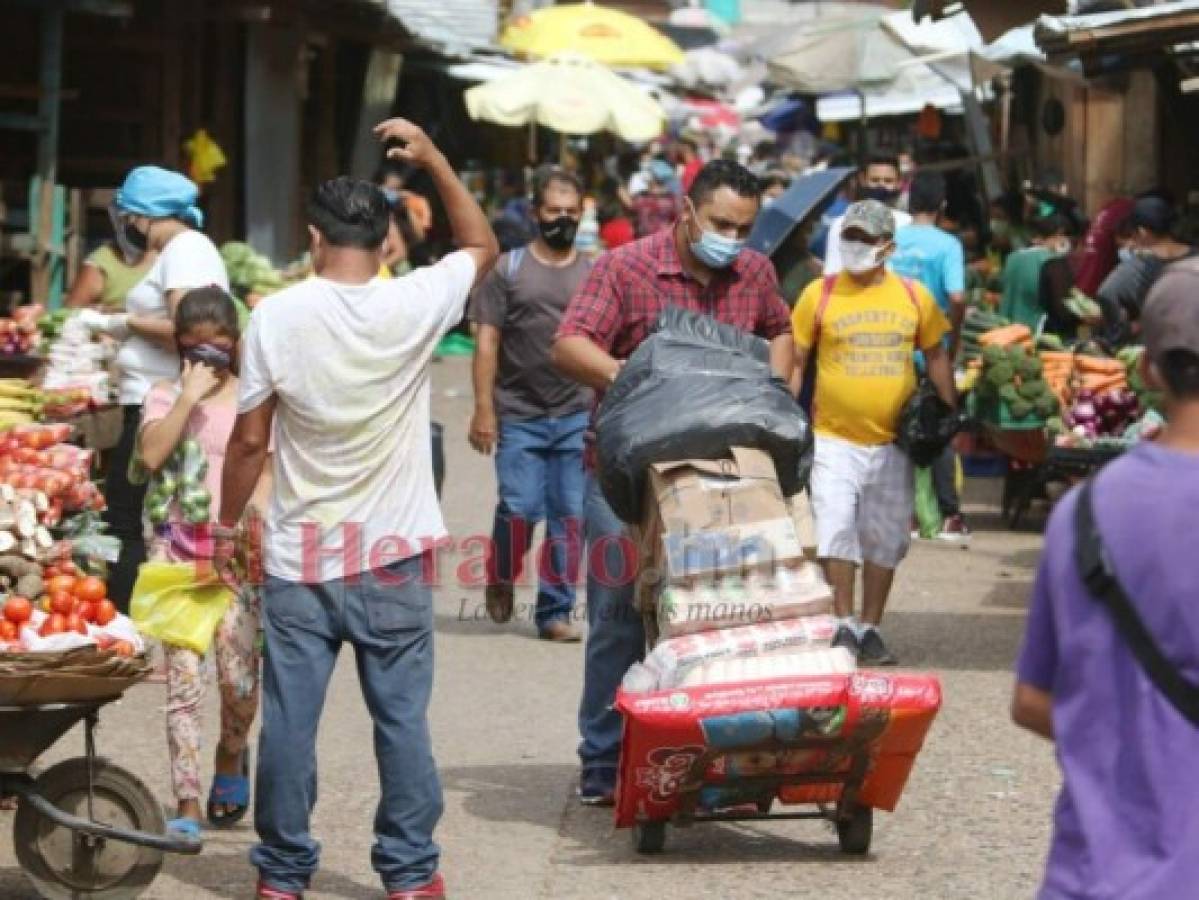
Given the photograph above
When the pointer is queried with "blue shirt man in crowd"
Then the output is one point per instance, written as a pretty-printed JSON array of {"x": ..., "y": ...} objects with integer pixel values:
[{"x": 935, "y": 258}]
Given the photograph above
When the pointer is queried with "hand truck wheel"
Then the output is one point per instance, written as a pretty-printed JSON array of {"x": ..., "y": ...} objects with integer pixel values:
[
  {"x": 649, "y": 837},
  {"x": 854, "y": 833}
]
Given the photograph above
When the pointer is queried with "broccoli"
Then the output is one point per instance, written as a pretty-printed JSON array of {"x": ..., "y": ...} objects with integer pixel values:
[
  {"x": 1030, "y": 368},
  {"x": 994, "y": 355},
  {"x": 1008, "y": 394},
  {"x": 1020, "y": 409},
  {"x": 1045, "y": 405},
  {"x": 1031, "y": 390},
  {"x": 1000, "y": 374},
  {"x": 1016, "y": 356}
]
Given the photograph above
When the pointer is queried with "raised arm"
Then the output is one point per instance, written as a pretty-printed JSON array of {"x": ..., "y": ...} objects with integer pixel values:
[{"x": 468, "y": 222}]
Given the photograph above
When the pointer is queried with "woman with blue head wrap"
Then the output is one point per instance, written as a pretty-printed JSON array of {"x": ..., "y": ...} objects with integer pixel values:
[{"x": 154, "y": 210}]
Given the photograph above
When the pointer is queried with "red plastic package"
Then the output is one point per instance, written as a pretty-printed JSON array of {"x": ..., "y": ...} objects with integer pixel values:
[{"x": 688, "y": 746}]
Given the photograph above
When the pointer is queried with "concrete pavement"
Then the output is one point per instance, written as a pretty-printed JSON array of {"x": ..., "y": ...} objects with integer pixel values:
[{"x": 974, "y": 821}]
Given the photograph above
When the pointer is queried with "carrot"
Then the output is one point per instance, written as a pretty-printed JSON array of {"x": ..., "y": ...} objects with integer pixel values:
[
  {"x": 1099, "y": 365},
  {"x": 1099, "y": 383},
  {"x": 1007, "y": 336}
]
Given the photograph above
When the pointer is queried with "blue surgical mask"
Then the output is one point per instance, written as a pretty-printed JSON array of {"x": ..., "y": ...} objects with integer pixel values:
[
  {"x": 392, "y": 195},
  {"x": 1125, "y": 254},
  {"x": 715, "y": 250}
]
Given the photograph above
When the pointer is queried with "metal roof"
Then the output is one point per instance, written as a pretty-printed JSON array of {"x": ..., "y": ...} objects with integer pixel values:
[{"x": 453, "y": 26}]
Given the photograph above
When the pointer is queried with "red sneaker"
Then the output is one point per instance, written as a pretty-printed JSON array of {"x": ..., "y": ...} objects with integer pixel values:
[
  {"x": 435, "y": 888},
  {"x": 266, "y": 892}
]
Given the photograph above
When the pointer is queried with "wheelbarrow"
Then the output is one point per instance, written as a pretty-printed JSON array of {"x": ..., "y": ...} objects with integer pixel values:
[{"x": 84, "y": 828}]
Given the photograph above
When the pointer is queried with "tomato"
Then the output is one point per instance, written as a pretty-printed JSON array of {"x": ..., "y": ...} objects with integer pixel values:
[
  {"x": 86, "y": 610},
  {"x": 50, "y": 572},
  {"x": 91, "y": 589},
  {"x": 8, "y": 630},
  {"x": 75, "y": 622},
  {"x": 61, "y": 584},
  {"x": 106, "y": 611},
  {"x": 66, "y": 567},
  {"x": 54, "y": 624},
  {"x": 122, "y": 648},
  {"x": 62, "y": 603},
  {"x": 18, "y": 610}
]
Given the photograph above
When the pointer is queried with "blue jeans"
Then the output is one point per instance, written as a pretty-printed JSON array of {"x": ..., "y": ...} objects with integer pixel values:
[
  {"x": 615, "y": 637},
  {"x": 539, "y": 467},
  {"x": 390, "y": 627}
]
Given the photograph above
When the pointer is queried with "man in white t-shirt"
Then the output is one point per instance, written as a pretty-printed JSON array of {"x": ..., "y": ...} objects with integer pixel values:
[
  {"x": 878, "y": 180},
  {"x": 338, "y": 367}
]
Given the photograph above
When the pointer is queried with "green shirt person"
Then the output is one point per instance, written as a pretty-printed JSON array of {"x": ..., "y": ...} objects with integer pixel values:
[{"x": 1021, "y": 303}]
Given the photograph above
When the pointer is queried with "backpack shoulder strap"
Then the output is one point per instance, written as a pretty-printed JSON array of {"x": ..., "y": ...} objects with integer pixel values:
[
  {"x": 828, "y": 282},
  {"x": 1096, "y": 572},
  {"x": 514, "y": 260}
]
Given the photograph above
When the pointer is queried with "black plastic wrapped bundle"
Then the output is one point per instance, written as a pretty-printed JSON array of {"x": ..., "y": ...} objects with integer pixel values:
[{"x": 692, "y": 390}]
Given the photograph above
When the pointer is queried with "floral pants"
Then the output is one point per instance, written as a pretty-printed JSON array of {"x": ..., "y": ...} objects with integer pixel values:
[{"x": 236, "y": 650}]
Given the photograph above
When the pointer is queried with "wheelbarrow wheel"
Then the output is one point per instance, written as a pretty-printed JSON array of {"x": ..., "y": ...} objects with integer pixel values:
[
  {"x": 649, "y": 837},
  {"x": 855, "y": 832},
  {"x": 64, "y": 865}
]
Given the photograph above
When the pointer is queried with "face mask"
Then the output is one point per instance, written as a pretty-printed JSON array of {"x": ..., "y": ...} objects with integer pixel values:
[
  {"x": 884, "y": 196},
  {"x": 559, "y": 233},
  {"x": 715, "y": 250},
  {"x": 768, "y": 202},
  {"x": 1124, "y": 254},
  {"x": 214, "y": 357},
  {"x": 131, "y": 242},
  {"x": 859, "y": 257},
  {"x": 392, "y": 195},
  {"x": 998, "y": 228}
]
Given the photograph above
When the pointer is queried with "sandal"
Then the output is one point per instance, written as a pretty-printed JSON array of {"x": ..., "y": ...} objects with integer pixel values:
[
  {"x": 227, "y": 790},
  {"x": 184, "y": 827}
]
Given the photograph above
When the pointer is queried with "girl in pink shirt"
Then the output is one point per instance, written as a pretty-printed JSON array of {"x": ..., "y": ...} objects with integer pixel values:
[{"x": 202, "y": 405}]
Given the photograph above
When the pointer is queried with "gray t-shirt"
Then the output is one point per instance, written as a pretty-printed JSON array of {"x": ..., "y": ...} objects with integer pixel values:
[{"x": 525, "y": 300}]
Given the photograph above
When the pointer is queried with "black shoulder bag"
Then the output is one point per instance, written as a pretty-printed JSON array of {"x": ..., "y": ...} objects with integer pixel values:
[{"x": 1095, "y": 569}]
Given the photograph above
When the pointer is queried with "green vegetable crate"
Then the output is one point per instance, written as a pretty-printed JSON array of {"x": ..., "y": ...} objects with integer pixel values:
[{"x": 996, "y": 412}]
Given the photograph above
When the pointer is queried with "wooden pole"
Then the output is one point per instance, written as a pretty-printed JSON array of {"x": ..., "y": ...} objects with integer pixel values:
[{"x": 49, "y": 101}]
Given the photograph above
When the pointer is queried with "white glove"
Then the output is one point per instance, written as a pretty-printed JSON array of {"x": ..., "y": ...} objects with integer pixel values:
[
  {"x": 115, "y": 324},
  {"x": 93, "y": 319}
]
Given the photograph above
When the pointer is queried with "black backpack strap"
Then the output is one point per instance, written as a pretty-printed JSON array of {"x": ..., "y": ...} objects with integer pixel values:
[{"x": 1097, "y": 573}]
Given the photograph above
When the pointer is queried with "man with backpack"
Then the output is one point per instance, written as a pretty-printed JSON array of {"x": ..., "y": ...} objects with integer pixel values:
[
  {"x": 1109, "y": 670},
  {"x": 531, "y": 415},
  {"x": 862, "y": 327}
]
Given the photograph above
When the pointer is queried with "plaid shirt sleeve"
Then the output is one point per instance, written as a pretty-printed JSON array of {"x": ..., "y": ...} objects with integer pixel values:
[
  {"x": 594, "y": 311},
  {"x": 775, "y": 318}
]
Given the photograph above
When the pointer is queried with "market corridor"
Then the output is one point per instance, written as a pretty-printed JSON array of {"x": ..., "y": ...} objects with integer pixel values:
[{"x": 973, "y": 821}]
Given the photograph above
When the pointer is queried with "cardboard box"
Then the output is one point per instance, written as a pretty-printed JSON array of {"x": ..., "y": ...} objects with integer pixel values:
[
  {"x": 710, "y": 516},
  {"x": 692, "y": 495}
]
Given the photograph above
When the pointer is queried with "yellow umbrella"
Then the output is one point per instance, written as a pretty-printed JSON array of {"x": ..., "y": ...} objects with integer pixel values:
[
  {"x": 605, "y": 35},
  {"x": 570, "y": 94}
]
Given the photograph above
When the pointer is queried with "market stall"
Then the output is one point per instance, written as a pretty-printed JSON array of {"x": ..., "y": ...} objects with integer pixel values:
[{"x": 1056, "y": 412}]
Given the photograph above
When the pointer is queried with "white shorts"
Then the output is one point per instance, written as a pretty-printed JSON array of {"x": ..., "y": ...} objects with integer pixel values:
[{"x": 862, "y": 498}]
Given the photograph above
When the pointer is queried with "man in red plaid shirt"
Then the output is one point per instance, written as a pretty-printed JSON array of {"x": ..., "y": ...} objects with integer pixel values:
[{"x": 700, "y": 264}]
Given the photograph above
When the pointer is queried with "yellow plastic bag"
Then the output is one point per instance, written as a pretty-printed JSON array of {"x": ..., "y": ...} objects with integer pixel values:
[{"x": 169, "y": 604}]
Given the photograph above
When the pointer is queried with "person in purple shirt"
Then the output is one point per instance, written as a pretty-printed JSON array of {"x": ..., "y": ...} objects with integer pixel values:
[{"x": 1126, "y": 824}]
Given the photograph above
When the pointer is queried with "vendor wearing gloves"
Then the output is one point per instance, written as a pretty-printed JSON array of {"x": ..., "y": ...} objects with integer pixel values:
[{"x": 154, "y": 211}]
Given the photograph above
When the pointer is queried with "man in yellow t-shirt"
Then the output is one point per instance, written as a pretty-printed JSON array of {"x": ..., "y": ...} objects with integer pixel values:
[{"x": 864, "y": 326}]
